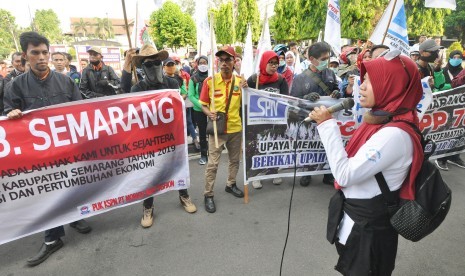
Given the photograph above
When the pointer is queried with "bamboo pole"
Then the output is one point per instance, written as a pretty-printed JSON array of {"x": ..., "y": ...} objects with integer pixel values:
[
  {"x": 129, "y": 38},
  {"x": 389, "y": 22},
  {"x": 212, "y": 87}
]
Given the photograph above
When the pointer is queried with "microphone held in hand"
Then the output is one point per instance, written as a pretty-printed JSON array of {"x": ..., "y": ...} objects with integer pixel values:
[{"x": 345, "y": 104}]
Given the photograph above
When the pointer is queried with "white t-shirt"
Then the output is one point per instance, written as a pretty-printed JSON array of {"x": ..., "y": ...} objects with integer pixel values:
[{"x": 390, "y": 150}]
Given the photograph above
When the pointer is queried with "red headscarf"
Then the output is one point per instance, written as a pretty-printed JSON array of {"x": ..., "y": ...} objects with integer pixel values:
[
  {"x": 393, "y": 90},
  {"x": 265, "y": 78},
  {"x": 360, "y": 58}
]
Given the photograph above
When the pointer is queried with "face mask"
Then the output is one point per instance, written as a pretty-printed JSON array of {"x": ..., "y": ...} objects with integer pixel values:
[
  {"x": 203, "y": 68},
  {"x": 432, "y": 58},
  {"x": 95, "y": 63},
  {"x": 455, "y": 62},
  {"x": 322, "y": 65},
  {"x": 153, "y": 74},
  {"x": 282, "y": 63}
]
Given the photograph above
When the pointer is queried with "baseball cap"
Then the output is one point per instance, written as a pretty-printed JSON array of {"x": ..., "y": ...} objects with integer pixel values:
[
  {"x": 168, "y": 60},
  {"x": 429, "y": 45},
  {"x": 95, "y": 49},
  {"x": 226, "y": 50},
  {"x": 334, "y": 59}
]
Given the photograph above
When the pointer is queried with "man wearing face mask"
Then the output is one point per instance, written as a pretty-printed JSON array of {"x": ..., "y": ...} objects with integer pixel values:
[
  {"x": 318, "y": 80},
  {"x": 429, "y": 53},
  {"x": 150, "y": 60},
  {"x": 98, "y": 79}
]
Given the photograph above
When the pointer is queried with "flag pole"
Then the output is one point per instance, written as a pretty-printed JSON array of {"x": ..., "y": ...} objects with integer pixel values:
[
  {"x": 212, "y": 87},
  {"x": 133, "y": 67},
  {"x": 389, "y": 22}
]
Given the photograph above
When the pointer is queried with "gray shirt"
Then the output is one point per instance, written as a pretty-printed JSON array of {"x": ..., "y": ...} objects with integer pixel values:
[{"x": 304, "y": 84}]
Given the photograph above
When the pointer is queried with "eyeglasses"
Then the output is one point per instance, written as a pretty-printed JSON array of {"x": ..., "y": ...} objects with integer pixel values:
[
  {"x": 273, "y": 63},
  {"x": 227, "y": 60},
  {"x": 396, "y": 54},
  {"x": 151, "y": 63}
]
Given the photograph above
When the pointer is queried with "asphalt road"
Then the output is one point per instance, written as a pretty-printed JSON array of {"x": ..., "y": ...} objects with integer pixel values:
[{"x": 239, "y": 239}]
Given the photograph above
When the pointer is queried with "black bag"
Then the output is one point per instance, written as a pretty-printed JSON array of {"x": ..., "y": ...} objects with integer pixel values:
[
  {"x": 220, "y": 124},
  {"x": 220, "y": 116},
  {"x": 415, "y": 219}
]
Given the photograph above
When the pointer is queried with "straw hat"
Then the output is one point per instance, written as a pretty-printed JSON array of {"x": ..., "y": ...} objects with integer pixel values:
[{"x": 148, "y": 51}]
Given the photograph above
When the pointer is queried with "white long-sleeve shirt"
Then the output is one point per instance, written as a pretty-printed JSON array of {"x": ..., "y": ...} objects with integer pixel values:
[{"x": 390, "y": 150}]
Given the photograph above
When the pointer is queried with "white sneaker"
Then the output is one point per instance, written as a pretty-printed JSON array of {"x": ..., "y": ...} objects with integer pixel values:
[
  {"x": 147, "y": 218},
  {"x": 257, "y": 184},
  {"x": 277, "y": 181}
]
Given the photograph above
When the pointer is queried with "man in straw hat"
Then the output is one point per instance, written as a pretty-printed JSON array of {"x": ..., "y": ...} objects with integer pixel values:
[{"x": 150, "y": 60}]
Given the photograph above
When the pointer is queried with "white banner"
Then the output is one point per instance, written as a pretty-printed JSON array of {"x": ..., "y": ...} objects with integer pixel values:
[
  {"x": 446, "y": 4},
  {"x": 67, "y": 162},
  {"x": 396, "y": 36}
]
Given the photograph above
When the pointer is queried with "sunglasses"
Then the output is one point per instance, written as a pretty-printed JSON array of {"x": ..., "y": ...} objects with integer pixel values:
[
  {"x": 151, "y": 63},
  {"x": 396, "y": 54}
]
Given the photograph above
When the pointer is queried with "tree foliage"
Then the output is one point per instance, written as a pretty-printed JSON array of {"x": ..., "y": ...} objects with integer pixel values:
[
  {"x": 103, "y": 28},
  {"x": 359, "y": 18},
  {"x": 311, "y": 16},
  {"x": 284, "y": 22},
  {"x": 424, "y": 21},
  {"x": 7, "y": 29},
  {"x": 453, "y": 23},
  {"x": 224, "y": 27},
  {"x": 247, "y": 12},
  {"x": 81, "y": 27},
  {"x": 47, "y": 24},
  {"x": 454, "y": 46},
  {"x": 170, "y": 26}
]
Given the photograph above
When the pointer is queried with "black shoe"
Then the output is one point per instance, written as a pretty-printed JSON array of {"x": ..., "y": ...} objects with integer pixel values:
[
  {"x": 44, "y": 252},
  {"x": 210, "y": 204},
  {"x": 81, "y": 226},
  {"x": 305, "y": 180},
  {"x": 328, "y": 179},
  {"x": 234, "y": 191}
]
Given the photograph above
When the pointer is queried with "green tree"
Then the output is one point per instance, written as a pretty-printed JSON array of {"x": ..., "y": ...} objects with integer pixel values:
[
  {"x": 8, "y": 34},
  {"x": 359, "y": 18},
  {"x": 284, "y": 22},
  {"x": 454, "y": 46},
  {"x": 247, "y": 12},
  {"x": 224, "y": 28},
  {"x": 103, "y": 28},
  {"x": 422, "y": 20},
  {"x": 170, "y": 26},
  {"x": 311, "y": 16},
  {"x": 48, "y": 25},
  {"x": 453, "y": 23},
  {"x": 81, "y": 27}
]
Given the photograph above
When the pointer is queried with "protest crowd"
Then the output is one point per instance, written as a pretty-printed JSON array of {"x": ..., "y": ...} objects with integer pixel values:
[{"x": 39, "y": 78}]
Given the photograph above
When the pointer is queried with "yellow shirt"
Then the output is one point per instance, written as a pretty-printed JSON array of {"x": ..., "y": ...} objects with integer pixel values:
[{"x": 222, "y": 90}]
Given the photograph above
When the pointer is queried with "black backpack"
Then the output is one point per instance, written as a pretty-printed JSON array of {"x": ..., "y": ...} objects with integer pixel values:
[{"x": 415, "y": 219}]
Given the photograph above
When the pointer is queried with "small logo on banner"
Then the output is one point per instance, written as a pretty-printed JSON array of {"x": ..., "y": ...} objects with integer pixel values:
[
  {"x": 84, "y": 210},
  {"x": 181, "y": 183},
  {"x": 264, "y": 109}
]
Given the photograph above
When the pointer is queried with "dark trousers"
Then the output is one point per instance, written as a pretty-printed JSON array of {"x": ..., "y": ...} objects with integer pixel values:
[
  {"x": 452, "y": 157},
  {"x": 54, "y": 233},
  {"x": 201, "y": 120},
  {"x": 148, "y": 202}
]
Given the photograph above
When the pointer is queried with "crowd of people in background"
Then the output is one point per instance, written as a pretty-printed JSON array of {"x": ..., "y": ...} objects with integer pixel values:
[{"x": 308, "y": 73}]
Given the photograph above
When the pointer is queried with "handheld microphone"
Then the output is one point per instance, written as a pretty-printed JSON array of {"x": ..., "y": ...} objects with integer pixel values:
[{"x": 345, "y": 104}]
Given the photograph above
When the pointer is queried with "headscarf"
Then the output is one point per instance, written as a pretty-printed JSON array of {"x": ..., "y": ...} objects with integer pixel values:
[
  {"x": 360, "y": 58},
  {"x": 396, "y": 93},
  {"x": 293, "y": 56},
  {"x": 454, "y": 70},
  {"x": 265, "y": 78},
  {"x": 199, "y": 77}
]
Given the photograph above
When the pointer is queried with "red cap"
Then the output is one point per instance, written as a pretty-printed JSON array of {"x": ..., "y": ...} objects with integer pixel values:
[{"x": 229, "y": 50}]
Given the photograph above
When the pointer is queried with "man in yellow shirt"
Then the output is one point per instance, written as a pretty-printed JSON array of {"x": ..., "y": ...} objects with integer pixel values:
[{"x": 227, "y": 88}]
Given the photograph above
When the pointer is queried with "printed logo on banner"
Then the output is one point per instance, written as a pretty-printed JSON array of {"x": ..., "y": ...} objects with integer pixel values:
[
  {"x": 181, "y": 183},
  {"x": 264, "y": 110},
  {"x": 84, "y": 210}
]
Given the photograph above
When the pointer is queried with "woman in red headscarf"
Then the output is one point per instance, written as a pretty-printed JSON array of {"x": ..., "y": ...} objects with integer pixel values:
[
  {"x": 358, "y": 220},
  {"x": 271, "y": 81}
]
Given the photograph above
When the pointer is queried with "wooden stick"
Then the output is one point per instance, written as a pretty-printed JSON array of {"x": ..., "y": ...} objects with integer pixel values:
[
  {"x": 129, "y": 38},
  {"x": 246, "y": 193},
  {"x": 212, "y": 66},
  {"x": 389, "y": 22}
]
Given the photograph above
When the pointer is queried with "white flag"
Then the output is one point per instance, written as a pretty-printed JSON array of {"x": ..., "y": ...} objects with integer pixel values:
[
  {"x": 446, "y": 4},
  {"x": 264, "y": 44},
  {"x": 247, "y": 59},
  {"x": 140, "y": 32},
  {"x": 333, "y": 26},
  {"x": 203, "y": 29},
  {"x": 396, "y": 36},
  {"x": 212, "y": 50}
]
